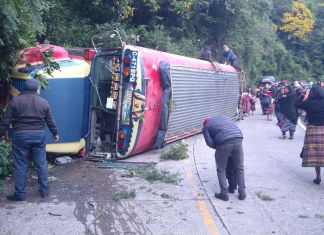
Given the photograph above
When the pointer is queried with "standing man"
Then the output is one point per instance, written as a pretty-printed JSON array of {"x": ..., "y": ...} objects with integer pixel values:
[
  {"x": 206, "y": 54},
  {"x": 229, "y": 56},
  {"x": 222, "y": 134},
  {"x": 28, "y": 113}
]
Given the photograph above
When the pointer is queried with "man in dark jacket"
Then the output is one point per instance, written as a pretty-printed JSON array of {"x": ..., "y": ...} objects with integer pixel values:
[
  {"x": 28, "y": 113},
  {"x": 206, "y": 54},
  {"x": 228, "y": 55},
  {"x": 222, "y": 134}
]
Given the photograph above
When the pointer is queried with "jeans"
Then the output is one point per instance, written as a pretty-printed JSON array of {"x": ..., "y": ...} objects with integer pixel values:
[
  {"x": 24, "y": 144},
  {"x": 230, "y": 174},
  {"x": 234, "y": 151}
]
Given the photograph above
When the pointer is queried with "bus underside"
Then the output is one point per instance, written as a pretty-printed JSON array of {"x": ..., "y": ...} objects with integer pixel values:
[{"x": 195, "y": 95}]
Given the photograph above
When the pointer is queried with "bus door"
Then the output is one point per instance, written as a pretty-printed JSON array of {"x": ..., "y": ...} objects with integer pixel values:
[{"x": 105, "y": 77}]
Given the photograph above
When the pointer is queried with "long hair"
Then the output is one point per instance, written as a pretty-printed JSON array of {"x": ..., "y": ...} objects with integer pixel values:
[{"x": 316, "y": 92}]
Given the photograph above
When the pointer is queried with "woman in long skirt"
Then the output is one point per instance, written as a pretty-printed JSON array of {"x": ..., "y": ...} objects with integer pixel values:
[
  {"x": 287, "y": 104},
  {"x": 246, "y": 104},
  {"x": 313, "y": 150},
  {"x": 253, "y": 100}
]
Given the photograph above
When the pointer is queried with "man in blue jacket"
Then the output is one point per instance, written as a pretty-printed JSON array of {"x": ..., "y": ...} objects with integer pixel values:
[
  {"x": 229, "y": 56},
  {"x": 222, "y": 134},
  {"x": 28, "y": 113}
]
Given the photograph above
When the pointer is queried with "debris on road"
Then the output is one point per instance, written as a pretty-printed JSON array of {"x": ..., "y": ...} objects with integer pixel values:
[
  {"x": 124, "y": 195},
  {"x": 54, "y": 214},
  {"x": 264, "y": 196},
  {"x": 165, "y": 195},
  {"x": 63, "y": 160},
  {"x": 152, "y": 174},
  {"x": 175, "y": 152},
  {"x": 121, "y": 164},
  {"x": 51, "y": 178}
]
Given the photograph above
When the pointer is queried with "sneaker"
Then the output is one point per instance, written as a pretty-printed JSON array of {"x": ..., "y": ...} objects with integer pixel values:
[
  {"x": 220, "y": 196},
  {"x": 282, "y": 137},
  {"x": 317, "y": 181},
  {"x": 291, "y": 137},
  {"x": 241, "y": 196},
  {"x": 15, "y": 198}
]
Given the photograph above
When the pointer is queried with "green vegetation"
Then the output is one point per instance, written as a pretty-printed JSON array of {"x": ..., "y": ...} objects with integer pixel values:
[
  {"x": 175, "y": 152},
  {"x": 6, "y": 164},
  {"x": 263, "y": 196},
  {"x": 152, "y": 174},
  {"x": 124, "y": 195},
  {"x": 283, "y": 38},
  {"x": 319, "y": 216}
]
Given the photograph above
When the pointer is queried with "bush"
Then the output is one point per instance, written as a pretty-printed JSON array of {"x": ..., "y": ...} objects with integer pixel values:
[
  {"x": 6, "y": 164},
  {"x": 151, "y": 174},
  {"x": 176, "y": 152}
]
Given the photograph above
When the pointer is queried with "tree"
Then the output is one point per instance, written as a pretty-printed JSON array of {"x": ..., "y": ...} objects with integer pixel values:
[
  {"x": 299, "y": 22},
  {"x": 315, "y": 47},
  {"x": 20, "y": 23}
]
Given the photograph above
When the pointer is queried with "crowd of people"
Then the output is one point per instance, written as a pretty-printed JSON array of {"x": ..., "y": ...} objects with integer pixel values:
[
  {"x": 286, "y": 101},
  {"x": 290, "y": 101},
  {"x": 248, "y": 102}
]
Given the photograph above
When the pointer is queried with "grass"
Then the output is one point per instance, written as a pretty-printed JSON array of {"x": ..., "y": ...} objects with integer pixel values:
[
  {"x": 175, "y": 152},
  {"x": 124, "y": 195},
  {"x": 264, "y": 196},
  {"x": 153, "y": 174},
  {"x": 51, "y": 167},
  {"x": 319, "y": 216}
]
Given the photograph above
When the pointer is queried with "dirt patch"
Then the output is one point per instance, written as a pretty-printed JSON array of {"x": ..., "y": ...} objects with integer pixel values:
[{"x": 91, "y": 189}]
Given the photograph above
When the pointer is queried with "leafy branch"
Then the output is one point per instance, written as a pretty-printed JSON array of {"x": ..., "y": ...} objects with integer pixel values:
[{"x": 50, "y": 66}]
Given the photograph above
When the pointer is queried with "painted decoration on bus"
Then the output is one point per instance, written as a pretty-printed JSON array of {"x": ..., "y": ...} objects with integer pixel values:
[
  {"x": 127, "y": 104},
  {"x": 116, "y": 77},
  {"x": 112, "y": 100},
  {"x": 116, "y": 64}
]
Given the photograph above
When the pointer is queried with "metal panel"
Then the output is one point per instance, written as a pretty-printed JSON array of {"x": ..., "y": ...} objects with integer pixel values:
[{"x": 196, "y": 94}]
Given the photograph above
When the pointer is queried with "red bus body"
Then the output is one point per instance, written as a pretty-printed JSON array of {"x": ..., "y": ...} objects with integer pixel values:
[
  {"x": 130, "y": 99},
  {"x": 139, "y": 98},
  {"x": 152, "y": 60}
]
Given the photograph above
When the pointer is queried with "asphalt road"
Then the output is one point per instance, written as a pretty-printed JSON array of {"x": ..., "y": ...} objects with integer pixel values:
[
  {"x": 272, "y": 169},
  {"x": 281, "y": 198}
]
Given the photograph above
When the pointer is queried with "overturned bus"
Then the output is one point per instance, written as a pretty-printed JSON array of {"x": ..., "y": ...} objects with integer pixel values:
[{"x": 129, "y": 99}]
